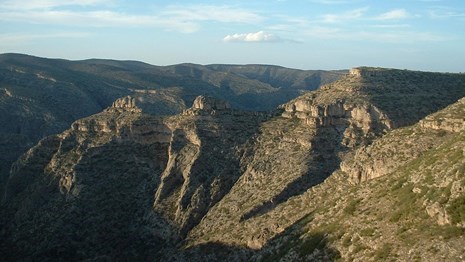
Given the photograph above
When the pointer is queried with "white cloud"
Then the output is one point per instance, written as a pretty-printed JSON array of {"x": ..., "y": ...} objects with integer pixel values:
[
  {"x": 98, "y": 19},
  {"x": 393, "y": 15},
  {"x": 348, "y": 15},
  {"x": 23, "y": 37},
  {"x": 259, "y": 36},
  {"x": 395, "y": 37},
  {"x": 445, "y": 13},
  {"x": 186, "y": 19},
  {"x": 329, "y": 2},
  {"x": 388, "y": 26},
  {"x": 49, "y": 4},
  {"x": 224, "y": 14}
]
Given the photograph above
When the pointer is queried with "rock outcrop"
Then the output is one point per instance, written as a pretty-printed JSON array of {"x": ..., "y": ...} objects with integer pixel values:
[
  {"x": 397, "y": 148},
  {"x": 204, "y": 105},
  {"x": 451, "y": 120},
  {"x": 210, "y": 103},
  {"x": 300, "y": 149},
  {"x": 355, "y": 121},
  {"x": 228, "y": 184},
  {"x": 92, "y": 183},
  {"x": 124, "y": 104},
  {"x": 203, "y": 159},
  {"x": 368, "y": 72}
]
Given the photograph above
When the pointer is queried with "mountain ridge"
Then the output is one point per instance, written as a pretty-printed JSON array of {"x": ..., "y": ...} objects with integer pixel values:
[
  {"x": 41, "y": 96},
  {"x": 216, "y": 182}
]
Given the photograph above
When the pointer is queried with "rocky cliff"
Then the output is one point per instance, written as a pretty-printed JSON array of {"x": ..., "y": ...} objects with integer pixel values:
[
  {"x": 401, "y": 146},
  {"x": 301, "y": 148},
  {"x": 216, "y": 182},
  {"x": 164, "y": 174},
  {"x": 203, "y": 159},
  {"x": 41, "y": 97},
  {"x": 408, "y": 204},
  {"x": 90, "y": 186}
]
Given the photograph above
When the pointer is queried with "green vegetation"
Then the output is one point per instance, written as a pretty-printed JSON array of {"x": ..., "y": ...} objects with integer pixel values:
[
  {"x": 312, "y": 242},
  {"x": 351, "y": 206},
  {"x": 456, "y": 209},
  {"x": 367, "y": 232},
  {"x": 383, "y": 253}
]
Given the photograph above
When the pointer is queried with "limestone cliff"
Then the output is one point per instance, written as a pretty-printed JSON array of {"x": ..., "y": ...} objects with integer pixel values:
[
  {"x": 203, "y": 159},
  {"x": 215, "y": 182},
  {"x": 401, "y": 146},
  {"x": 164, "y": 174},
  {"x": 93, "y": 183},
  {"x": 295, "y": 152},
  {"x": 124, "y": 104}
]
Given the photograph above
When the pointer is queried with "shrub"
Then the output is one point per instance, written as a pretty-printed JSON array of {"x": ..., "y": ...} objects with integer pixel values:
[
  {"x": 383, "y": 253},
  {"x": 456, "y": 209},
  {"x": 352, "y": 206}
]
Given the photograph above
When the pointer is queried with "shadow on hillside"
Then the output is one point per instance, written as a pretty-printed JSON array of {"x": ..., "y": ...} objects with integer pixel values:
[
  {"x": 324, "y": 161},
  {"x": 315, "y": 246},
  {"x": 406, "y": 97},
  {"x": 103, "y": 215},
  {"x": 215, "y": 168}
]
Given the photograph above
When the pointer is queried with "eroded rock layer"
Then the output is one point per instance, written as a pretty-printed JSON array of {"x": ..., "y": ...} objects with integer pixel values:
[{"x": 215, "y": 182}]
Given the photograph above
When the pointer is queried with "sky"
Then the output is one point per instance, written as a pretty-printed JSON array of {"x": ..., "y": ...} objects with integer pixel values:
[{"x": 426, "y": 35}]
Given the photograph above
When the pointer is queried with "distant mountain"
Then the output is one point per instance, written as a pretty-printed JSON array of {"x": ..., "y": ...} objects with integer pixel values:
[
  {"x": 369, "y": 167},
  {"x": 40, "y": 97}
]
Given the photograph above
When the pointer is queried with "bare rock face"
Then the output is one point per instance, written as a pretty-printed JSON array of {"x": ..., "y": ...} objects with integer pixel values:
[
  {"x": 452, "y": 120},
  {"x": 367, "y": 71},
  {"x": 207, "y": 105},
  {"x": 354, "y": 120},
  {"x": 398, "y": 147},
  {"x": 124, "y": 104},
  {"x": 210, "y": 103},
  {"x": 105, "y": 164},
  {"x": 203, "y": 160},
  {"x": 215, "y": 175}
]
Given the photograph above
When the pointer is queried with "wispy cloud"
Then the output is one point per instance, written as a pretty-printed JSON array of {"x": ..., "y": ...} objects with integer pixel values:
[
  {"x": 212, "y": 13},
  {"x": 96, "y": 19},
  {"x": 23, "y": 37},
  {"x": 330, "y": 2},
  {"x": 259, "y": 36},
  {"x": 49, "y": 4},
  {"x": 393, "y": 15},
  {"x": 444, "y": 13},
  {"x": 185, "y": 19},
  {"x": 394, "y": 37},
  {"x": 342, "y": 17},
  {"x": 387, "y": 26}
]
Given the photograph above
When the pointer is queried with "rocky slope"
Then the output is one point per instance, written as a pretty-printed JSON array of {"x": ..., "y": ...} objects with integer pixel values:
[
  {"x": 163, "y": 173},
  {"x": 87, "y": 192},
  {"x": 214, "y": 182},
  {"x": 40, "y": 97},
  {"x": 411, "y": 211},
  {"x": 300, "y": 149}
]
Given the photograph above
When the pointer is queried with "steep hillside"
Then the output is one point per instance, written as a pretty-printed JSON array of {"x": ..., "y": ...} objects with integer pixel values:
[
  {"x": 40, "y": 97},
  {"x": 90, "y": 185},
  {"x": 122, "y": 173},
  {"x": 278, "y": 76},
  {"x": 300, "y": 149},
  {"x": 215, "y": 182},
  {"x": 414, "y": 211}
]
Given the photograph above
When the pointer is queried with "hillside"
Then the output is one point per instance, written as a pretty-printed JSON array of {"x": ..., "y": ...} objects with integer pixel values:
[
  {"x": 306, "y": 144},
  {"x": 40, "y": 97},
  {"x": 354, "y": 170},
  {"x": 413, "y": 210}
]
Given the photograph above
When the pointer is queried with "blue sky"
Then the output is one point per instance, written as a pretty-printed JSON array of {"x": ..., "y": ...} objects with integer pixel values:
[{"x": 307, "y": 34}]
